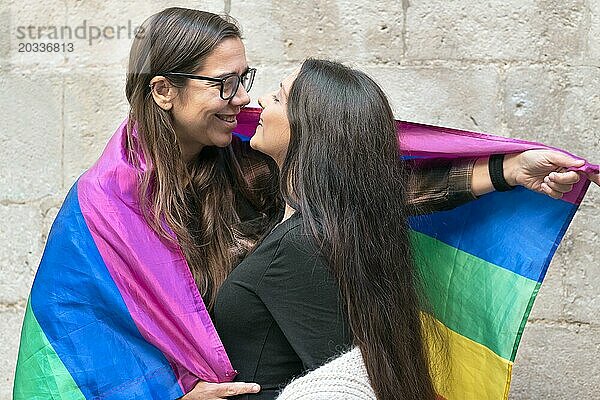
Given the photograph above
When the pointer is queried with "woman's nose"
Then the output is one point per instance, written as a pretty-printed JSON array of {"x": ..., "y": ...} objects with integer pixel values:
[{"x": 241, "y": 97}]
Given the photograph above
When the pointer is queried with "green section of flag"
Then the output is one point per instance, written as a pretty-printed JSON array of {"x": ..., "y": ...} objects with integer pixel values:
[
  {"x": 40, "y": 372},
  {"x": 473, "y": 297}
]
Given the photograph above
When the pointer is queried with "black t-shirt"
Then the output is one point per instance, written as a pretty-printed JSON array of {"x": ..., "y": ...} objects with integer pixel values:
[{"x": 279, "y": 313}]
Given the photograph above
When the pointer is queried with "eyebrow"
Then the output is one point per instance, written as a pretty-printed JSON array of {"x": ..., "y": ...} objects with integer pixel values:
[{"x": 231, "y": 73}]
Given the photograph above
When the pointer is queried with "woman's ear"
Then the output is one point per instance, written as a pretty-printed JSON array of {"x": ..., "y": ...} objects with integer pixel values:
[{"x": 163, "y": 92}]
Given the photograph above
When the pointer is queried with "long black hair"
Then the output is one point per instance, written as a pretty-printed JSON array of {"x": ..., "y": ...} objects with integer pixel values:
[{"x": 343, "y": 172}]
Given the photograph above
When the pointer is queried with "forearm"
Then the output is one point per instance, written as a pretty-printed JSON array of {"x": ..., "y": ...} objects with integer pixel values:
[
  {"x": 481, "y": 183},
  {"x": 437, "y": 185}
]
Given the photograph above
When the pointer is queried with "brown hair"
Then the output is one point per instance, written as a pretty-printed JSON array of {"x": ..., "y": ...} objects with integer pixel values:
[
  {"x": 195, "y": 201},
  {"x": 343, "y": 172}
]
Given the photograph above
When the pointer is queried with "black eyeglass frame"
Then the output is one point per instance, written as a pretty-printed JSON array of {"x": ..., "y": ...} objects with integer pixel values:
[{"x": 221, "y": 81}]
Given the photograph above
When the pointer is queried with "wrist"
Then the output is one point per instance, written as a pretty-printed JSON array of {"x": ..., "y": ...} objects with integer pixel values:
[
  {"x": 496, "y": 168},
  {"x": 511, "y": 167}
]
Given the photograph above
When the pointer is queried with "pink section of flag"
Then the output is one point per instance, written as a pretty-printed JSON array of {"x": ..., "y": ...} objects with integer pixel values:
[
  {"x": 432, "y": 141},
  {"x": 152, "y": 276}
]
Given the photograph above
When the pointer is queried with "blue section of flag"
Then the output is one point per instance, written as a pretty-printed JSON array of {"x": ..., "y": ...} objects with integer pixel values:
[
  {"x": 531, "y": 222},
  {"x": 84, "y": 317},
  {"x": 244, "y": 138}
]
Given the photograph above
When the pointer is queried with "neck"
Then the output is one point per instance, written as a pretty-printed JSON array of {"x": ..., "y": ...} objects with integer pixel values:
[{"x": 188, "y": 154}]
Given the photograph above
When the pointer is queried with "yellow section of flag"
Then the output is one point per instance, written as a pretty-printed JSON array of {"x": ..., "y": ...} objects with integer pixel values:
[{"x": 463, "y": 369}]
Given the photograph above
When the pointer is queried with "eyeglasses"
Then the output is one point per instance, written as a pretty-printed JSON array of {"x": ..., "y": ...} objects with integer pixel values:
[{"x": 229, "y": 84}]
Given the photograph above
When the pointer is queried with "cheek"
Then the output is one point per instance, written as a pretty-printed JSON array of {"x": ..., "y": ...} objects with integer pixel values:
[
  {"x": 280, "y": 141},
  {"x": 284, "y": 126},
  {"x": 201, "y": 104},
  {"x": 284, "y": 140},
  {"x": 187, "y": 111},
  {"x": 273, "y": 136}
]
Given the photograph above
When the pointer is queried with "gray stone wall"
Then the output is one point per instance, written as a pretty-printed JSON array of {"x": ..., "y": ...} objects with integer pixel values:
[{"x": 521, "y": 68}]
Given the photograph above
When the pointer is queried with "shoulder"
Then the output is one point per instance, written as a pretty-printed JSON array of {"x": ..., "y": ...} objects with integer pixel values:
[
  {"x": 289, "y": 239},
  {"x": 273, "y": 249},
  {"x": 295, "y": 237},
  {"x": 296, "y": 249},
  {"x": 344, "y": 377},
  {"x": 290, "y": 259}
]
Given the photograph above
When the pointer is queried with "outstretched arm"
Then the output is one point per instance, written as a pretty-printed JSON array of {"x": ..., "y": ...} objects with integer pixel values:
[
  {"x": 436, "y": 185},
  {"x": 543, "y": 171}
]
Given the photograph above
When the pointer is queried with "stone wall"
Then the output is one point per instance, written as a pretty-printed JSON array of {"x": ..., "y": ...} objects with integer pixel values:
[{"x": 520, "y": 68}]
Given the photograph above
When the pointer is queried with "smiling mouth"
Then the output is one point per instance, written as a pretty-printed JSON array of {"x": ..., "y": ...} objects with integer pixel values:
[{"x": 226, "y": 118}]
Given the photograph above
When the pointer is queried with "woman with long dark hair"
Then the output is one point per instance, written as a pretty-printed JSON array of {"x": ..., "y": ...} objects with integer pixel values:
[
  {"x": 199, "y": 183},
  {"x": 337, "y": 272}
]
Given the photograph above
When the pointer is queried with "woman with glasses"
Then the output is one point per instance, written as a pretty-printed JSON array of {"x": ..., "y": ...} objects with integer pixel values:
[{"x": 210, "y": 196}]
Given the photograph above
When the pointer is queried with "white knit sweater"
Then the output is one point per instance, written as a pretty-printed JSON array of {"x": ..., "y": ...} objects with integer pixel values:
[{"x": 344, "y": 378}]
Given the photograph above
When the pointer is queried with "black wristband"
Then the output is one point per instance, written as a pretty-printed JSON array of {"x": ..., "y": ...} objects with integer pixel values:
[{"x": 496, "y": 168}]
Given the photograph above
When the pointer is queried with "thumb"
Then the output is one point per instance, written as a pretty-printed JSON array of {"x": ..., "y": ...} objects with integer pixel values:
[
  {"x": 564, "y": 160},
  {"x": 594, "y": 178}
]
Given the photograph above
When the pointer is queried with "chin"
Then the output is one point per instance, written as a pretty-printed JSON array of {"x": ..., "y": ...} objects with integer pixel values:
[
  {"x": 253, "y": 142},
  {"x": 223, "y": 140},
  {"x": 257, "y": 144}
]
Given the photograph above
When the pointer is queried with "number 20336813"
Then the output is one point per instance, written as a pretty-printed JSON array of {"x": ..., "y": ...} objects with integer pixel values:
[{"x": 46, "y": 47}]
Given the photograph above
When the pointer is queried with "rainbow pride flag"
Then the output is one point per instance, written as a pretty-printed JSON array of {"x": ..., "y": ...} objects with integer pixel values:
[
  {"x": 482, "y": 263},
  {"x": 114, "y": 313}
]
